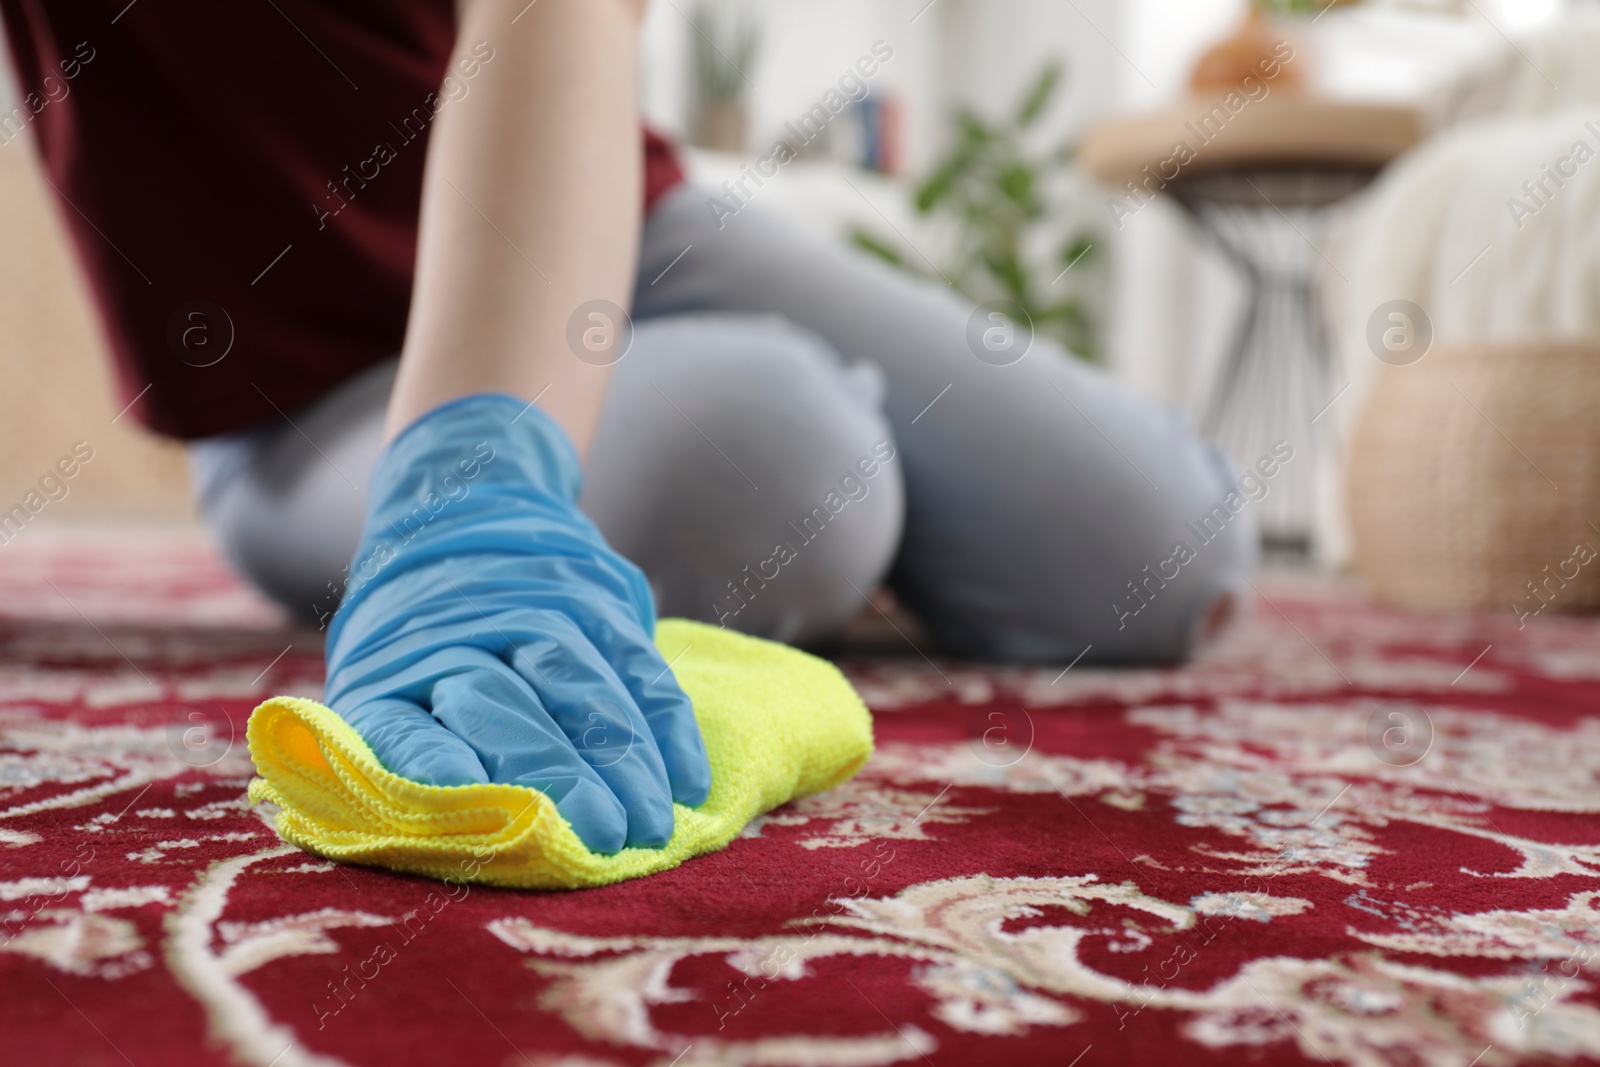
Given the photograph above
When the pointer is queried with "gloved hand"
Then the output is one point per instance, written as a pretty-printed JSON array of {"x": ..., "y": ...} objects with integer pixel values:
[{"x": 489, "y": 634}]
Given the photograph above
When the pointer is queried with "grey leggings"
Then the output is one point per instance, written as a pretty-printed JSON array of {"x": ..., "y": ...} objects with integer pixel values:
[{"x": 795, "y": 424}]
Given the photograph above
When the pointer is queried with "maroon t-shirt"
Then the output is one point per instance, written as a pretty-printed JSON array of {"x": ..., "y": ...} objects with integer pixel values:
[{"x": 242, "y": 180}]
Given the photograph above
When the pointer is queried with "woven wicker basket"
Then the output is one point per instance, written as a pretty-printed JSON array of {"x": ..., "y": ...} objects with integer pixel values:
[{"x": 1474, "y": 477}]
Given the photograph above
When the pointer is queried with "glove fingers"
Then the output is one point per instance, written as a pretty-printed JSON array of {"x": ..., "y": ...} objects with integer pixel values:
[
  {"x": 412, "y": 743},
  {"x": 506, "y": 724},
  {"x": 667, "y": 711},
  {"x": 624, "y": 651},
  {"x": 601, "y": 719}
]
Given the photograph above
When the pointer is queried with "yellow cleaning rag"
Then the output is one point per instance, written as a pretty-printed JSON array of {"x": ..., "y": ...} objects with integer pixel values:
[{"x": 778, "y": 724}]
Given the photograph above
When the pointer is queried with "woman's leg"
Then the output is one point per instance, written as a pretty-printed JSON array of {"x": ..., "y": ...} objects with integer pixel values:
[
  {"x": 287, "y": 500},
  {"x": 1045, "y": 503},
  {"x": 775, "y": 542},
  {"x": 749, "y": 473}
]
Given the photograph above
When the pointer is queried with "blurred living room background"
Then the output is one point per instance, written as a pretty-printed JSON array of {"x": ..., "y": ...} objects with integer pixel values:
[{"x": 1023, "y": 150}]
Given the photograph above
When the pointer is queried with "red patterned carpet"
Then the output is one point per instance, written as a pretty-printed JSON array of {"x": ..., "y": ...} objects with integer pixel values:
[{"x": 1329, "y": 842}]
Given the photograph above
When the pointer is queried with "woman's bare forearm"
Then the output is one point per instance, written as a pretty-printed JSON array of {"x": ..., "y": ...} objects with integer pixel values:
[{"x": 531, "y": 207}]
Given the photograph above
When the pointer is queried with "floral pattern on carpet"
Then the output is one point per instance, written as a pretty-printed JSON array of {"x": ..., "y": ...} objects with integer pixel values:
[{"x": 1346, "y": 835}]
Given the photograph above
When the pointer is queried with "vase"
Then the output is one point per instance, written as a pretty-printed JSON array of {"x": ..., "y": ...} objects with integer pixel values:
[
  {"x": 1261, "y": 48},
  {"x": 722, "y": 126}
]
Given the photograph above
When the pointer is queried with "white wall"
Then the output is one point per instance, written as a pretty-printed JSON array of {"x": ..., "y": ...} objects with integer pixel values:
[
  {"x": 982, "y": 52},
  {"x": 806, "y": 45},
  {"x": 1172, "y": 297},
  {"x": 993, "y": 49}
]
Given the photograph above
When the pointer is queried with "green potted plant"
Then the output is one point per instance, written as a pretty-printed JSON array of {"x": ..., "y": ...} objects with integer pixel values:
[
  {"x": 1003, "y": 198},
  {"x": 725, "y": 45}
]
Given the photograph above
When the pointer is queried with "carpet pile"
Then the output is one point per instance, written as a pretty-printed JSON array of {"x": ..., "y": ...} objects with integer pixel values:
[{"x": 1347, "y": 835}]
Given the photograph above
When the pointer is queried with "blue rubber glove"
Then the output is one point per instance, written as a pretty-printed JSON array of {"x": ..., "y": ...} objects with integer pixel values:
[{"x": 489, "y": 634}]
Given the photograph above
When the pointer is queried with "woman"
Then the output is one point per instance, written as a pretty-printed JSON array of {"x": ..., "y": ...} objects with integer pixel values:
[{"x": 270, "y": 201}]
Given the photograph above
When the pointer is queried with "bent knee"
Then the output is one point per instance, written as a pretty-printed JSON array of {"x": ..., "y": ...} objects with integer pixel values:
[
  {"x": 287, "y": 503},
  {"x": 1192, "y": 567},
  {"x": 283, "y": 551},
  {"x": 1119, "y": 567},
  {"x": 749, "y": 473}
]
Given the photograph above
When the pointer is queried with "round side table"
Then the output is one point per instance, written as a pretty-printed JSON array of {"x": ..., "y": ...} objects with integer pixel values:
[{"x": 1261, "y": 183}]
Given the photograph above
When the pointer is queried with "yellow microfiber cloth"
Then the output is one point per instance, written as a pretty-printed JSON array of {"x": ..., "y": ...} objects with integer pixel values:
[{"x": 777, "y": 723}]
